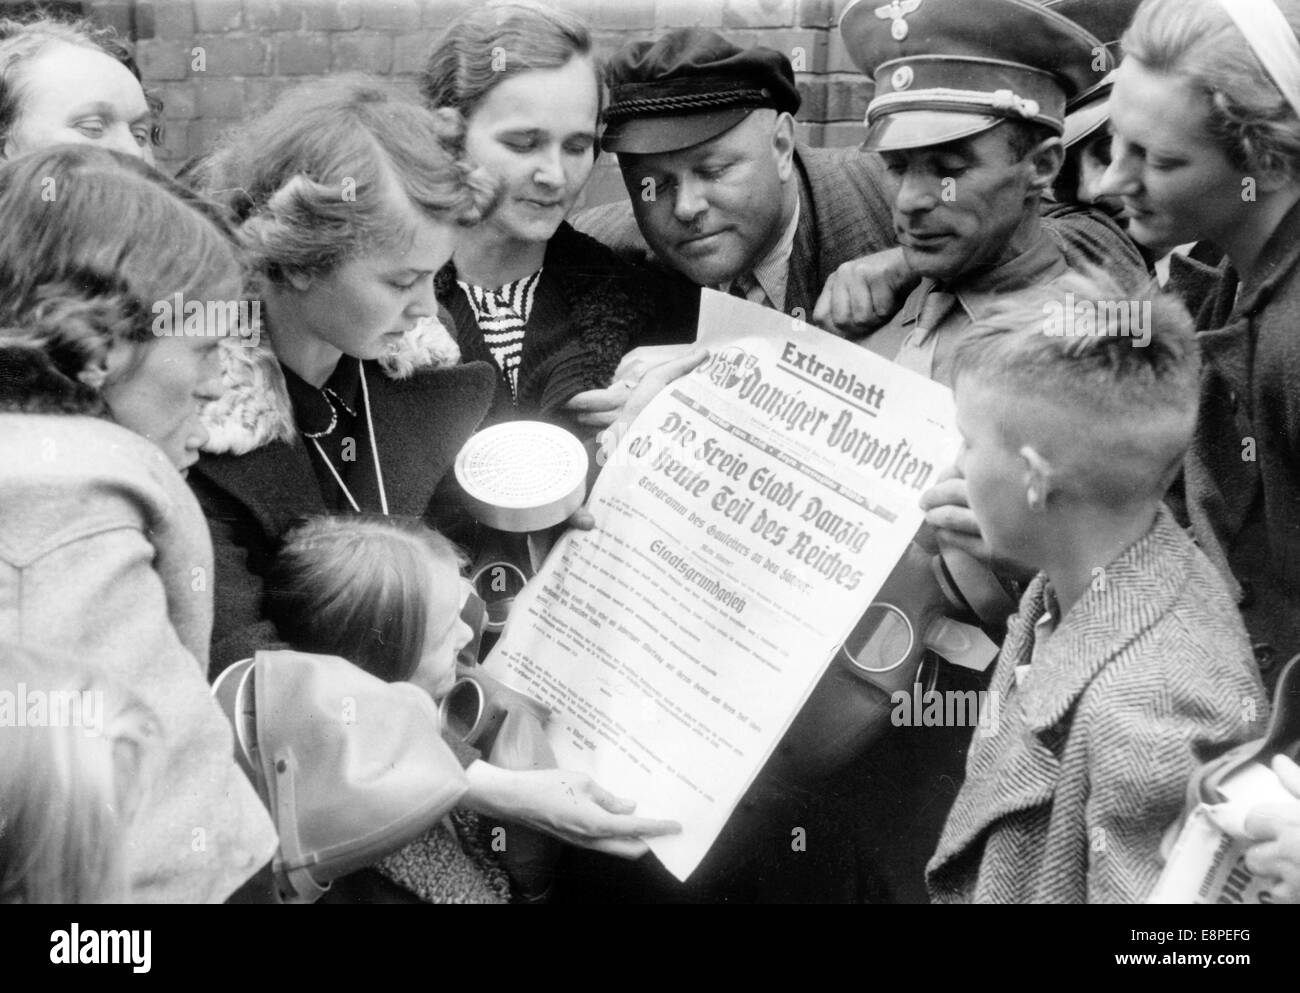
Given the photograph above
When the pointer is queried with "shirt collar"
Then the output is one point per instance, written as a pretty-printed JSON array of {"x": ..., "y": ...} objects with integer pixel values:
[
  {"x": 314, "y": 409},
  {"x": 1041, "y": 262},
  {"x": 772, "y": 272}
]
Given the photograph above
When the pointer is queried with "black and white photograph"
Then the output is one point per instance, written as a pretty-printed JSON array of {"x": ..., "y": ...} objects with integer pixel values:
[{"x": 607, "y": 453}]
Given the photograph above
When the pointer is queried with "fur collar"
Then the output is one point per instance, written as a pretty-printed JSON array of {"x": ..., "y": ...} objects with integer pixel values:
[{"x": 254, "y": 409}]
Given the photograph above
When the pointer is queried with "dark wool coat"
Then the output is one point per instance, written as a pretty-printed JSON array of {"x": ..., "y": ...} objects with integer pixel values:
[
  {"x": 251, "y": 499},
  {"x": 1089, "y": 758},
  {"x": 1243, "y": 472},
  {"x": 590, "y": 308}
]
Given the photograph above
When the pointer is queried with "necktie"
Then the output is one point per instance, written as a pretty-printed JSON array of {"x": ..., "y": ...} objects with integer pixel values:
[
  {"x": 917, "y": 350},
  {"x": 746, "y": 287}
]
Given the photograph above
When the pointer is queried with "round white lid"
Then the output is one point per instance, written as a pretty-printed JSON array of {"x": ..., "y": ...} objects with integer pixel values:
[{"x": 523, "y": 475}]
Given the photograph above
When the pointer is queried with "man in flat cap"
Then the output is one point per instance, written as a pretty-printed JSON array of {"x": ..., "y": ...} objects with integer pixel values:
[
  {"x": 719, "y": 189},
  {"x": 722, "y": 194}
]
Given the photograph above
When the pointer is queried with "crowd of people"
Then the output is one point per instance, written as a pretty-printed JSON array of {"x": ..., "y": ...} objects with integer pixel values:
[{"x": 375, "y": 279}]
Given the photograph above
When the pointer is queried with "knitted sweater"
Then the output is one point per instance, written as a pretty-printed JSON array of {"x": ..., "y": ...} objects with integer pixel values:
[
  {"x": 590, "y": 308},
  {"x": 439, "y": 868}
]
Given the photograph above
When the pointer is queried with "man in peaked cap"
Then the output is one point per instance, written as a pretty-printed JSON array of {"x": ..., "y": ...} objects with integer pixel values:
[
  {"x": 786, "y": 217},
  {"x": 968, "y": 114},
  {"x": 1086, "y": 138}
]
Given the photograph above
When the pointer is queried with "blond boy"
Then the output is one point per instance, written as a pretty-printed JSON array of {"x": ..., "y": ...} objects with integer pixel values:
[{"x": 1127, "y": 664}]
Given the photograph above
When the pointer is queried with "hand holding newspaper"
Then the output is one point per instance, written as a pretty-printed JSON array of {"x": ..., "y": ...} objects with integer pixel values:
[
  {"x": 1207, "y": 863},
  {"x": 743, "y": 525}
]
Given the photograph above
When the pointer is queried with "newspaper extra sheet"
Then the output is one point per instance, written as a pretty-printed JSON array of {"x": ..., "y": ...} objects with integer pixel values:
[{"x": 747, "y": 519}]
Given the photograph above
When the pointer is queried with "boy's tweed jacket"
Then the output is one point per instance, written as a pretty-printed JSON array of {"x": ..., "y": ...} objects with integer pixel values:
[
  {"x": 256, "y": 477},
  {"x": 1147, "y": 676},
  {"x": 1243, "y": 471}
]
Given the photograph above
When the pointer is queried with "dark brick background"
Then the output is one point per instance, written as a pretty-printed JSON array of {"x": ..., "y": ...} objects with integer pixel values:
[{"x": 255, "y": 49}]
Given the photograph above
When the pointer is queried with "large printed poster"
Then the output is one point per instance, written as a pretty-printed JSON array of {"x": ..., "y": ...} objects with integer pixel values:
[{"x": 742, "y": 527}]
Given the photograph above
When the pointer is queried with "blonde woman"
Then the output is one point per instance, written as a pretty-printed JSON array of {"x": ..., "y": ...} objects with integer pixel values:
[
  {"x": 349, "y": 202},
  {"x": 1206, "y": 119}
]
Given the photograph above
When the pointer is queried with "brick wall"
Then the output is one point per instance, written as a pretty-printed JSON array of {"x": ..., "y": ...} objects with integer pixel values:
[{"x": 217, "y": 61}]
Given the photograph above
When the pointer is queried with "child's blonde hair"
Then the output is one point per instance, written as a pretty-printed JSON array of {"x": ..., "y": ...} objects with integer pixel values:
[
  {"x": 1122, "y": 369},
  {"x": 70, "y": 780},
  {"x": 358, "y": 587}
]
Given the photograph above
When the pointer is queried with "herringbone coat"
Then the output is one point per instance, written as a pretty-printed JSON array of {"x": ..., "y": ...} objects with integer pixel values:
[{"x": 1148, "y": 675}]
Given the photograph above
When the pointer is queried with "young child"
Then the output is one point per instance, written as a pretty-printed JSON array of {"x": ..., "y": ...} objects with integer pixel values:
[
  {"x": 76, "y": 753},
  {"x": 387, "y": 595},
  {"x": 1127, "y": 664}
]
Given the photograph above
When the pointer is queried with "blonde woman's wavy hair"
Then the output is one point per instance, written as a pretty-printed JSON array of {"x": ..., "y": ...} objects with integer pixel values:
[
  {"x": 70, "y": 783},
  {"x": 322, "y": 177},
  {"x": 1249, "y": 118}
]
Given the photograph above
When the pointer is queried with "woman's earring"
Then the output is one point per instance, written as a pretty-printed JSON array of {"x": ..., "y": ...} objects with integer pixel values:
[{"x": 93, "y": 376}]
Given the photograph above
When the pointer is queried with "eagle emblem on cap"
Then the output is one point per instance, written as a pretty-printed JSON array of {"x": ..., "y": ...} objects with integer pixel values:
[{"x": 895, "y": 11}]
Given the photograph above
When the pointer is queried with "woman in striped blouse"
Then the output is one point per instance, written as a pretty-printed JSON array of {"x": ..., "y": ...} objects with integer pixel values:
[{"x": 553, "y": 309}]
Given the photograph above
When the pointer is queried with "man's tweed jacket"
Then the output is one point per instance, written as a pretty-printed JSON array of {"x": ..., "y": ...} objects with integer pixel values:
[
  {"x": 846, "y": 212},
  {"x": 1148, "y": 675}
]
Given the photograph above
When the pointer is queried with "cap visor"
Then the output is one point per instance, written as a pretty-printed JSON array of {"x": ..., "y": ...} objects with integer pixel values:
[
  {"x": 1085, "y": 122},
  {"x": 921, "y": 128},
  {"x": 648, "y": 135},
  {"x": 231, "y": 693}
]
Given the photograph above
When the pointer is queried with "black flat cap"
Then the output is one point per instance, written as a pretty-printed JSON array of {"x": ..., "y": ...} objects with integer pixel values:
[{"x": 689, "y": 86}]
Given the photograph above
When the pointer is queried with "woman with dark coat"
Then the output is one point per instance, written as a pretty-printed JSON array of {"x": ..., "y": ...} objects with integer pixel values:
[
  {"x": 1207, "y": 147},
  {"x": 552, "y": 309},
  {"x": 349, "y": 202}
]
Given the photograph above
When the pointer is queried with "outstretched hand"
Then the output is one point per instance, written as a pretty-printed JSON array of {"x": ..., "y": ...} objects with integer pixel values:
[
  {"x": 655, "y": 380},
  {"x": 629, "y": 394},
  {"x": 568, "y": 805}
]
